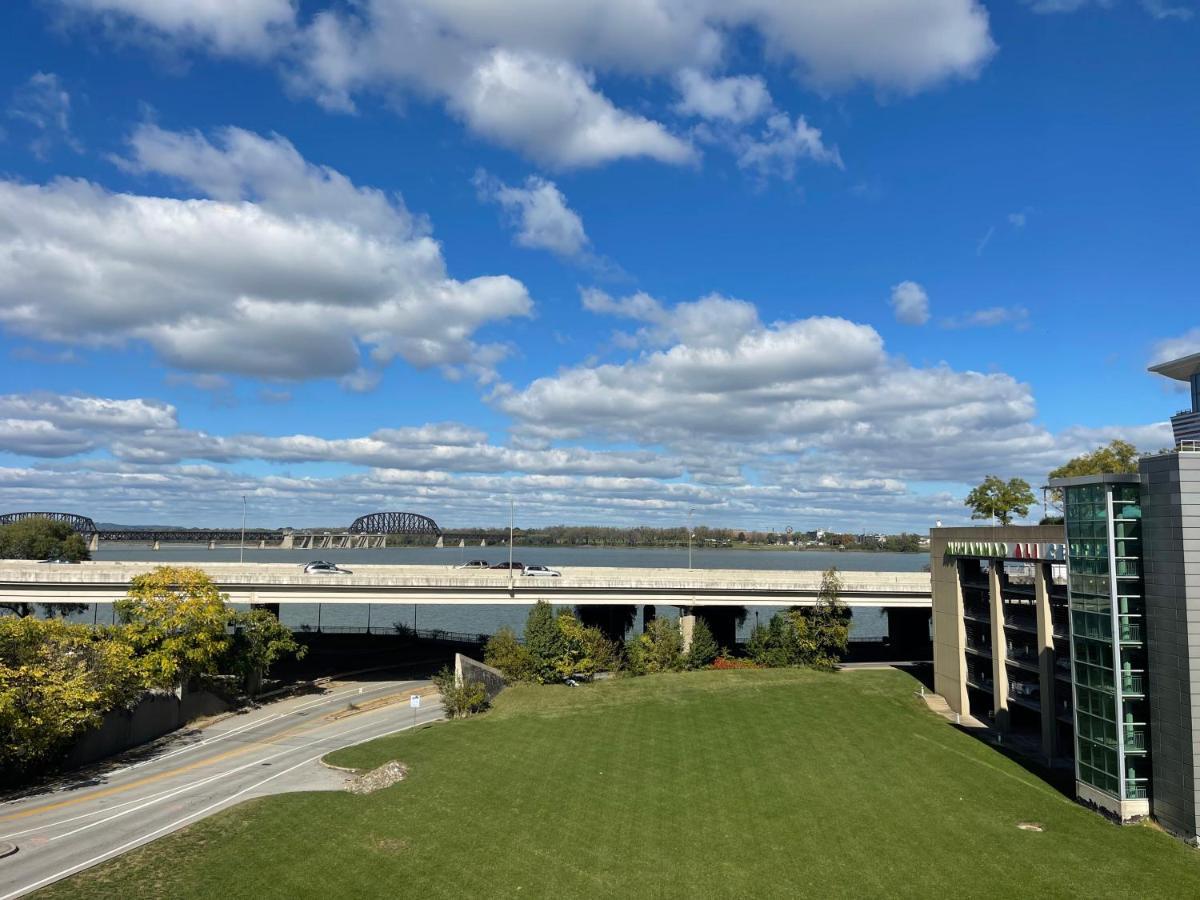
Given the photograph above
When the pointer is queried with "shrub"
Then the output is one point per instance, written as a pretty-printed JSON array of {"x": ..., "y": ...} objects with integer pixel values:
[
  {"x": 733, "y": 662},
  {"x": 704, "y": 647},
  {"x": 584, "y": 651},
  {"x": 460, "y": 699},
  {"x": 504, "y": 652},
  {"x": 658, "y": 649},
  {"x": 544, "y": 642}
]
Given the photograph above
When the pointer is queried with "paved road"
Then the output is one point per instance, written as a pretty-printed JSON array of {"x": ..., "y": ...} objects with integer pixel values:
[{"x": 272, "y": 749}]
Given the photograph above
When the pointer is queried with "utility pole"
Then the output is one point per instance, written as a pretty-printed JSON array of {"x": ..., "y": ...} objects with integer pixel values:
[
  {"x": 510, "y": 542},
  {"x": 242, "y": 545}
]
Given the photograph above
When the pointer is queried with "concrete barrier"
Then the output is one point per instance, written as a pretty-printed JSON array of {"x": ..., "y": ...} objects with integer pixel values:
[
  {"x": 471, "y": 671},
  {"x": 156, "y": 714}
]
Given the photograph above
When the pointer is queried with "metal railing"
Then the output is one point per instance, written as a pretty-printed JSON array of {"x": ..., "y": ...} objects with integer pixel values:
[
  {"x": 429, "y": 634},
  {"x": 1135, "y": 740},
  {"x": 1129, "y": 631},
  {"x": 1133, "y": 683},
  {"x": 1137, "y": 789},
  {"x": 1189, "y": 447}
]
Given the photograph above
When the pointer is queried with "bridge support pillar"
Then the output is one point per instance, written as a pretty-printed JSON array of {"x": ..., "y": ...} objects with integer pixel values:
[
  {"x": 262, "y": 545},
  {"x": 440, "y": 543},
  {"x": 212, "y": 545},
  {"x": 687, "y": 628},
  {"x": 94, "y": 542},
  {"x": 649, "y": 614},
  {"x": 156, "y": 547},
  {"x": 908, "y": 633},
  {"x": 288, "y": 541}
]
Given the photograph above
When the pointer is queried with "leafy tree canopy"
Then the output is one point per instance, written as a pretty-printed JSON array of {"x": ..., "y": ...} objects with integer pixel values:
[
  {"x": 704, "y": 647},
  {"x": 56, "y": 680},
  {"x": 1001, "y": 500},
  {"x": 658, "y": 649},
  {"x": 1115, "y": 458},
  {"x": 175, "y": 619}
]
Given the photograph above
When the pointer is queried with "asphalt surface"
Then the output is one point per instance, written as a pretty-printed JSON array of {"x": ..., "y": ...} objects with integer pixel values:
[{"x": 275, "y": 748}]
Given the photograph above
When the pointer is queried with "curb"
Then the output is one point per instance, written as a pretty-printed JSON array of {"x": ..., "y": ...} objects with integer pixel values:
[{"x": 7, "y": 849}]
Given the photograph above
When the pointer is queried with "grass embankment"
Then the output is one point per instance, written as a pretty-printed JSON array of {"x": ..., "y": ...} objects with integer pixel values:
[{"x": 751, "y": 783}]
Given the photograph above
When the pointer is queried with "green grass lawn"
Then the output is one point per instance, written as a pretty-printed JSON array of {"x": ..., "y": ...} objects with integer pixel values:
[{"x": 708, "y": 784}]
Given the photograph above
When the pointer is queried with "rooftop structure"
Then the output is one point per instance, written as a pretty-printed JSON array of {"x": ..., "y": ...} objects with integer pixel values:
[{"x": 1186, "y": 424}]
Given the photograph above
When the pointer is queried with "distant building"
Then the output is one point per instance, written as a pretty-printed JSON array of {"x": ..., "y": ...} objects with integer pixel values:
[{"x": 1082, "y": 640}]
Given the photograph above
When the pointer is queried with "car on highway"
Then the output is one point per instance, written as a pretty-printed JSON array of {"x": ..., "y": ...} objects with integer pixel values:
[
  {"x": 321, "y": 567},
  {"x": 60, "y": 560},
  {"x": 541, "y": 572},
  {"x": 518, "y": 566},
  {"x": 474, "y": 564}
]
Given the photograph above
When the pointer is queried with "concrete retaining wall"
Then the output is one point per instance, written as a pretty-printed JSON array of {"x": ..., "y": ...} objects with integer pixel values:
[
  {"x": 472, "y": 671},
  {"x": 155, "y": 715}
]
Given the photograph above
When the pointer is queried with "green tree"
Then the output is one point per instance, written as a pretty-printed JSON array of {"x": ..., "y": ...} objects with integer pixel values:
[
  {"x": 259, "y": 640},
  {"x": 504, "y": 652},
  {"x": 175, "y": 619},
  {"x": 41, "y": 538},
  {"x": 1001, "y": 500},
  {"x": 543, "y": 640},
  {"x": 658, "y": 649},
  {"x": 583, "y": 650},
  {"x": 1115, "y": 458},
  {"x": 786, "y": 640},
  {"x": 56, "y": 680},
  {"x": 830, "y": 623},
  {"x": 704, "y": 647}
]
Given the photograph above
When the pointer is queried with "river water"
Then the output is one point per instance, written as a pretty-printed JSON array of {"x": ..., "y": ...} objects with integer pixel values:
[{"x": 868, "y": 624}]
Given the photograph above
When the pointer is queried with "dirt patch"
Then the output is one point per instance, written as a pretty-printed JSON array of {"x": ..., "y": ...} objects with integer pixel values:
[
  {"x": 389, "y": 845},
  {"x": 1031, "y": 826},
  {"x": 377, "y": 779}
]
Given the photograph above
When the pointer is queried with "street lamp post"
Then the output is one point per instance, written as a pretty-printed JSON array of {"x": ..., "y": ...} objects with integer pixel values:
[
  {"x": 242, "y": 545},
  {"x": 510, "y": 542},
  {"x": 691, "y": 509}
]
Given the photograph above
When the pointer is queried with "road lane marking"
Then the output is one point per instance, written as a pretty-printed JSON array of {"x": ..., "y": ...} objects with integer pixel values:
[
  {"x": 146, "y": 838},
  {"x": 247, "y": 727},
  {"x": 159, "y": 776}
]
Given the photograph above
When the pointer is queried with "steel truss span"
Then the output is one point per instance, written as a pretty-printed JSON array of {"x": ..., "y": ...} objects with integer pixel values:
[
  {"x": 395, "y": 523},
  {"x": 81, "y": 524}
]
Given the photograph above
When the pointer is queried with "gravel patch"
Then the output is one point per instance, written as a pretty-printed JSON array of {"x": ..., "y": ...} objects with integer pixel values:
[{"x": 377, "y": 779}]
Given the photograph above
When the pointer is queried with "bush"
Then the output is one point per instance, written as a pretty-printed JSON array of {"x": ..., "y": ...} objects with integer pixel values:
[
  {"x": 584, "y": 651},
  {"x": 504, "y": 652},
  {"x": 56, "y": 681},
  {"x": 733, "y": 662},
  {"x": 460, "y": 699},
  {"x": 704, "y": 646},
  {"x": 658, "y": 649},
  {"x": 544, "y": 642}
]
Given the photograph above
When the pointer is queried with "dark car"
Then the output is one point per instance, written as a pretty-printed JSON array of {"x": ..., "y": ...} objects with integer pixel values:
[{"x": 509, "y": 565}]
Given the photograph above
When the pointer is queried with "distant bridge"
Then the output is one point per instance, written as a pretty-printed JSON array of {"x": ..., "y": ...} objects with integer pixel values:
[{"x": 369, "y": 531}]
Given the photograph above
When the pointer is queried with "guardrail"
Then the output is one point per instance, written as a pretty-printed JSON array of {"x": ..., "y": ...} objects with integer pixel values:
[{"x": 429, "y": 634}]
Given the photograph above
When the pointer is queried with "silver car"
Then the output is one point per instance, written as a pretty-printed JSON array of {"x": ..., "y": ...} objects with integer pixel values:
[
  {"x": 474, "y": 564},
  {"x": 320, "y": 567},
  {"x": 541, "y": 572}
]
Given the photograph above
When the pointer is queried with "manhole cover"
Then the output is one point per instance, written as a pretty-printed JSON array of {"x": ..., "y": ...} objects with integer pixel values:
[
  {"x": 1030, "y": 826},
  {"x": 7, "y": 849}
]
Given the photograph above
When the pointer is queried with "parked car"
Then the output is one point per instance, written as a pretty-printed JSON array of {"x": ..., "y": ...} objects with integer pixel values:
[
  {"x": 474, "y": 564},
  {"x": 513, "y": 565},
  {"x": 541, "y": 572},
  {"x": 60, "y": 560},
  {"x": 321, "y": 567}
]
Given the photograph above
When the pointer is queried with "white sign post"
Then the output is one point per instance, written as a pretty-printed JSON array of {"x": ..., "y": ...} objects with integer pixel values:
[{"x": 414, "y": 701}]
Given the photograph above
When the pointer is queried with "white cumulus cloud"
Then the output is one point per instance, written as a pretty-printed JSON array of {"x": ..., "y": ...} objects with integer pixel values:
[
  {"x": 910, "y": 303},
  {"x": 280, "y": 269},
  {"x": 539, "y": 213}
]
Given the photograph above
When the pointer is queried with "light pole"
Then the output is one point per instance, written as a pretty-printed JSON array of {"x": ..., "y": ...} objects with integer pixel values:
[
  {"x": 510, "y": 542},
  {"x": 691, "y": 509},
  {"x": 242, "y": 545}
]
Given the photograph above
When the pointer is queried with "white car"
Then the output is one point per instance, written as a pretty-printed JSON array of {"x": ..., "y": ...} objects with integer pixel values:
[
  {"x": 320, "y": 567},
  {"x": 541, "y": 572}
]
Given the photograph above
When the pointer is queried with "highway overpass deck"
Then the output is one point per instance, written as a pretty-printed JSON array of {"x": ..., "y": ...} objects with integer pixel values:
[{"x": 99, "y": 582}]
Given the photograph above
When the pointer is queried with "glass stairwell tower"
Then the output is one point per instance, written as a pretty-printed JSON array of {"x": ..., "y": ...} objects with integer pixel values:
[{"x": 1108, "y": 641}]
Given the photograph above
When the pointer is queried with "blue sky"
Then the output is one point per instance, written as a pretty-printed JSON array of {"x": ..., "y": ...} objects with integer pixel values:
[{"x": 807, "y": 264}]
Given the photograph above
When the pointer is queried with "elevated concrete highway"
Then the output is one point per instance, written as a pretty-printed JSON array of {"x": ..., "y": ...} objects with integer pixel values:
[{"x": 280, "y": 583}]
